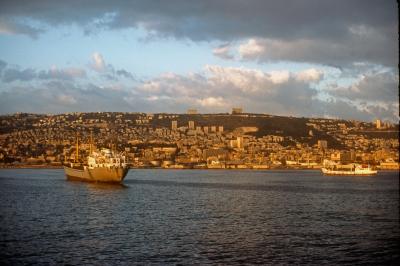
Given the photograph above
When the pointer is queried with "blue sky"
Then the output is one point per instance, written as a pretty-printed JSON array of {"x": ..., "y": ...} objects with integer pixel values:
[{"x": 290, "y": 58}]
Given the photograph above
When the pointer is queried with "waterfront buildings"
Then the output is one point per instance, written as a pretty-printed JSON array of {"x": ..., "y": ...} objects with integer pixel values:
[{"x": 217, "y": 141}]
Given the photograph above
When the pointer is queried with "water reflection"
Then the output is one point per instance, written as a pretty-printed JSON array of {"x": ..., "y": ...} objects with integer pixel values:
[
  {"x": 99, "y": 185},
  {"x": 107, "y": 186},
  {"x": 290, "y": 187}
]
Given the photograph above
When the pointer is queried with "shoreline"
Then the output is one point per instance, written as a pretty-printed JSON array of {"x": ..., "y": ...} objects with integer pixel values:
[
  {"x": 161, "y": 168},
  {"x": 42, "y": 166}
]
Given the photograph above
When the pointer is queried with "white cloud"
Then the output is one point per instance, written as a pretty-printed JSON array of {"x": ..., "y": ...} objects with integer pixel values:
[
  {"x": 107, "y": 71},
  {"x": 212, "y": 102},
  {"x": 252, "y": 49},
  {"x": 244, "y": 79},
  {"x": 310, "y": 75},
  {"x": 151, "y": 86},
  {"x": 66, "y": 99},
  {"x": 98, "y": 63},
  {"x": 278, "y": 77},
  {"x": 277, "y": 92},
  {"x": 219, "y": 88}
]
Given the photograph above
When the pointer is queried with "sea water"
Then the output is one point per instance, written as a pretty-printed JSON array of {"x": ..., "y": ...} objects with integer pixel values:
[{"x": 163, "y": 217}]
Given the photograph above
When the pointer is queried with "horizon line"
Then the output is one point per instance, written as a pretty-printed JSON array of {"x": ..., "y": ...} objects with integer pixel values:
[{"x": 194, "y": 114}]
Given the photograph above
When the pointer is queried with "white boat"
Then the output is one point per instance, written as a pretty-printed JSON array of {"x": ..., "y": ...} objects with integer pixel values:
[{"x": 352, "y": 169}]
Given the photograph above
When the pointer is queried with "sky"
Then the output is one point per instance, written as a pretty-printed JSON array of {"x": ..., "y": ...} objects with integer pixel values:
[{"x": 302, "y": 58}]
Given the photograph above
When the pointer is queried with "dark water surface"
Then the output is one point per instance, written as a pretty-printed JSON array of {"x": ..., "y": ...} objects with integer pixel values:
[{"x": 199, "y": 217}]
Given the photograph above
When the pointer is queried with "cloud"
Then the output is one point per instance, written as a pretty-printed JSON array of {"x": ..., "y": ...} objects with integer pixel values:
[
  {"x": 98, "y": 63},
  {"x": 339, "y": 109},
  {"x": 375, "y": 93},
  {"x": 66, "y": 99},
  {"x": 10, "y": 26},
  {"x": 213, "y": 102},
  {"x": 223, "y": 51},
  {"x": 215, "y": 89},
  {"x": 251, "y": 49},
  {"x": 2, "y": 66},
  {"x": 384, "y": 112},
  {"x": 108, "y": 71},
  {"x": 377, "y": 49},
  {"x": 310, "y": 75},
  {"x": 65, "y": 73},
  {"x": 242, "y": 79},
  {"x": 64, "y": 96},
  {"x": 277, "y": 92},
  {"x": 291, "y": 30},
  {"x": 376, "y": 87},
  {"x": 124, "y": 73},
  {"x": 221, "y": 87},
  {"x": 249, "y": 80},
  {"x": 279, "y": 76},
  {"x": 13, "y": 74}
]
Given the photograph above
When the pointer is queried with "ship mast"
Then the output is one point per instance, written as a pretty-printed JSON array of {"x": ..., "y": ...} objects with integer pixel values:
[
  {"x": 113, "y": 145},
  {"x": 91, "y": 141},
  {"x": 77, "y": 148}
]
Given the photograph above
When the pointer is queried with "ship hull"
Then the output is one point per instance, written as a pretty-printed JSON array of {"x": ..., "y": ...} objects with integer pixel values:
[{"x": 99, "y": 174}]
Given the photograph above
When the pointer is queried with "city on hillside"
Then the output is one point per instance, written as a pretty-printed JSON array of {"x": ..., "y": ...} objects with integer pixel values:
[{"x": 235, "y": 140}]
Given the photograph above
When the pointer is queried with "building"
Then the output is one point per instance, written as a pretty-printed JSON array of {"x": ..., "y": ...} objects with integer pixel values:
[
  {"x": 218, "y": 153},
  {"x": 221, "y": 129},
  {"x": 174, "y": 125},
  {"x": 236, "y": 143},
  {"x": 191, "y": 125},
  {"x": 378, "y": 124},
  {"x": 322, "y": 144},
  {"x": 192, "y": 111},
  {"x": 347, "y": 156},
  {"x": 239, "y": 142},
  {"x": 237, "y": 110},
  {"x": 344, "y": 157}
]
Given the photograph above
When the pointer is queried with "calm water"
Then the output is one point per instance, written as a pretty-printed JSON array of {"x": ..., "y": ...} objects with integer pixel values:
[{"x": 199, "y": 217}]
